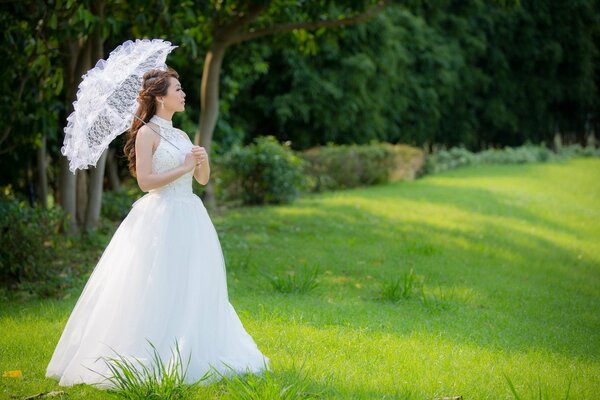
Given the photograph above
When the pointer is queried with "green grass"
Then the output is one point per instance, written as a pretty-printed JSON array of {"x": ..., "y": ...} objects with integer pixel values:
[{"x": 510, "y": 263}]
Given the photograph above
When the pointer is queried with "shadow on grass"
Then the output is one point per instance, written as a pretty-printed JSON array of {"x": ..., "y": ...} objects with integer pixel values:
[{"x": 536, "y": 293}]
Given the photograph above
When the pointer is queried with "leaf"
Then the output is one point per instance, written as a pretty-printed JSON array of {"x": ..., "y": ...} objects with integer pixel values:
[{"x": 12, "y": 374}]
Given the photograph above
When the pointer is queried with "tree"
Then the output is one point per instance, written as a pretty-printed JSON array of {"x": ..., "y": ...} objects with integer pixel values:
[
  {"x": 61, "y": 40},
  {"x": 237, "y": 23}
]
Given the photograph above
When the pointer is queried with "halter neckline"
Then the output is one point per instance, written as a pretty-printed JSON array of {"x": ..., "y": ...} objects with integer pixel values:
[{"x": 163, "y": 123}]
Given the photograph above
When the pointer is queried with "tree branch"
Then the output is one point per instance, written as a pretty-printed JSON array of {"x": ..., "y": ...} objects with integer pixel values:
[
  {"x": 310, "y": 25},
  {"x": 224, "y": 32}
]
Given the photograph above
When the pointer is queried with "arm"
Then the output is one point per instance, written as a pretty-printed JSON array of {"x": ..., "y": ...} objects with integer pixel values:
[
  {"x": 202, "y": 169},
  {"x": 145, "y": 142}
]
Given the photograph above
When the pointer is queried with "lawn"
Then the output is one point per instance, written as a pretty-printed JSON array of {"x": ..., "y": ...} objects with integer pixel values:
[{"x": 508, "y": 257}]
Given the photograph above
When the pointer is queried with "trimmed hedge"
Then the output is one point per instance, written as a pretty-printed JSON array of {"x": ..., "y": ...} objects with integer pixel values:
[{"x": 334, "y": 167}]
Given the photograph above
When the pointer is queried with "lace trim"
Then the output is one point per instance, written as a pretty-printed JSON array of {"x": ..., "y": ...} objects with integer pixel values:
[
  {"x": 163, "y": 123},
  {"x": 169, "y": 131}
]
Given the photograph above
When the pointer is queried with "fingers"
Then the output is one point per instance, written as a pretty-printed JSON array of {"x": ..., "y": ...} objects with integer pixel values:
[
  {"x": 198, "y": 150},
  {"x": 200, "y": 154}
]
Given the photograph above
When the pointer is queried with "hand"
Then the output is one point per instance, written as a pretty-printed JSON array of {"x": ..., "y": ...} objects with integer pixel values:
[
  {"x": 200, "y": 154},
  {"x": 190, "y": 162}
]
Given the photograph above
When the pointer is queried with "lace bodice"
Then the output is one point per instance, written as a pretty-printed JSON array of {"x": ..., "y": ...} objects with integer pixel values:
[{"x": 170, "y": 153}]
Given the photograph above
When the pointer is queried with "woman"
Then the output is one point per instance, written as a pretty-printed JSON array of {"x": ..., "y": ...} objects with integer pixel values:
[{"x": 161, "y": 278}]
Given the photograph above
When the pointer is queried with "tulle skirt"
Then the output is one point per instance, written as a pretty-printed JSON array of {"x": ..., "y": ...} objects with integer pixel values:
[{"x": 161, "y": 279}]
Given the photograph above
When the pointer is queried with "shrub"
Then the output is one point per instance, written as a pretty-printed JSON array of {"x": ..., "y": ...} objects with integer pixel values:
[
  {"x": 576, "y": 150},
  {"x": 261, "y": 173},
  {"x": 516, "y": 155},
  {"x": 334, "y": 167},
  {"x": 28, "y": 242},
  {"x": 449, "y": 159},
  {"x": 408, "y": 162},
  {"x": 116, "y": 204},
  {"x": 457, "y": 156}
]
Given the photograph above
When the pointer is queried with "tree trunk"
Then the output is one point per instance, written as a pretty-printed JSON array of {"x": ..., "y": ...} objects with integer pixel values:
[
  {"x": 95, "y": 175},
  {"x": 42, "y": 173},
  {"x": 112, "y": 170},
  {"x": 557, "y": 142},
  {"x": 81, "y": 196},
  {"x": 591, "y": 140},
  {"x": 209, "y": 111},
  {"x": 94, "y": 194},
  {"x": 67, "y": 195},
  {"x": 67, "y": 183}
]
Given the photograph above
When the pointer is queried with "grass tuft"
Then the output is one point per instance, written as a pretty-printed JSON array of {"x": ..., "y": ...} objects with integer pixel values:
[
  {"x": 266, "y": 386},
  {"x": 402, "y": 288},
  {"x": 133, "y": 379},
  {"x": 540, "y": 393},
  {"x": 301, "y": 281}
]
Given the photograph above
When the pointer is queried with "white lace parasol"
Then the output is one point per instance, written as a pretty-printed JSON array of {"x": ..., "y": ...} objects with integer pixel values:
[{"x": 106, "y": 99}]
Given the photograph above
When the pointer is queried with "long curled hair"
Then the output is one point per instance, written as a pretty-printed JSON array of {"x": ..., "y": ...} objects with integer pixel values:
[{"x": 155, "y": 83}]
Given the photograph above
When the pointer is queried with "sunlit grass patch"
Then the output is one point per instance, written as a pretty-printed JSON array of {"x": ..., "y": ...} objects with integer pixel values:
[
  {"x": 510, "y": 260},
  {"x": 538, "y": 392},
  {"x": 267, "y": 385}
]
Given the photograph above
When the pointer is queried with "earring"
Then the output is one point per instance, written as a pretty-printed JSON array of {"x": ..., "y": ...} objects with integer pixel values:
[{"x": 162, "y": 104}]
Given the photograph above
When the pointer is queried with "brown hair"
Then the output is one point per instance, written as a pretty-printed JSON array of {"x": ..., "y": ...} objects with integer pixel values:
[{"x": 155, "y": 83}]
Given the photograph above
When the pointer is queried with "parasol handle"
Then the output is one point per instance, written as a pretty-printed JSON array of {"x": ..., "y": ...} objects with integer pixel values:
[{"x": 158, "y": 133}]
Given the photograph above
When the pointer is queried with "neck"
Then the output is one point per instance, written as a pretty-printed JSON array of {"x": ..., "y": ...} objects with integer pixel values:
[{"x": 164, "y": 114}]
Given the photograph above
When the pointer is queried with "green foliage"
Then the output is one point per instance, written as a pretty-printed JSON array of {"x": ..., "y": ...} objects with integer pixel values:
[
  {"x": 334, "y": 167},
  {"x": 29, "y": 243},
  {"x": 472, "y": 73},
  {"x": 135, "y": 380},
  {"x": 250, "y": 173},
  {"x": 296, "y": 281},
  {"x": 576, "y": 150},
  {"x": 116, "y": 204},
  {"x": 261, "y": 173},
  {"x": 459, "y": 156},
  {"x": 347, "y": 166}
]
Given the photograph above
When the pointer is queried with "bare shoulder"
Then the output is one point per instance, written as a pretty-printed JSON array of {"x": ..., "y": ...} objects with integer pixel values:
[{"x": 148, "y": 135}]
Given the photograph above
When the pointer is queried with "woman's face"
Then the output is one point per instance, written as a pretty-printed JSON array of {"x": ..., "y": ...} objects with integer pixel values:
[{"x": 175, "y": 98}]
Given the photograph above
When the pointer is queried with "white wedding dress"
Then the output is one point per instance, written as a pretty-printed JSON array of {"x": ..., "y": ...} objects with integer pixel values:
[{"x": 160, "y": 279}]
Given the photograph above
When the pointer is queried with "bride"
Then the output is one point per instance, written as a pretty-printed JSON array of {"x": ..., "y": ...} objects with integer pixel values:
[{"x": 162, "y": 277}]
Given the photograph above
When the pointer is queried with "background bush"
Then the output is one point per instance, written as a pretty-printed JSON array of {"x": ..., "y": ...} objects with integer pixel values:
[
  {"x": 458, "y": 156},
  {"x": 116, "y": 204},
  {"x": 334, "y": 167},
  {"x": 261, "y": 173},
  {"x": 29, "y": 238}
]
